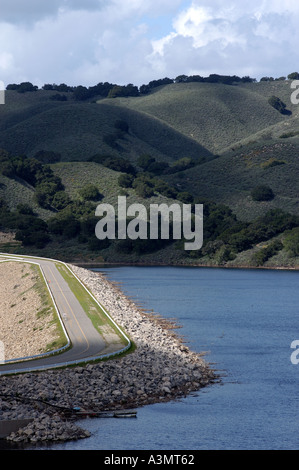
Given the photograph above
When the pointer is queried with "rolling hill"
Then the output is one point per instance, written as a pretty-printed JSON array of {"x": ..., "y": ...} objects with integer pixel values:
[
  {"x": 215, "y": 115},
  {"x": 235, "y": 139},
  {"x": 76, "y": 130}
]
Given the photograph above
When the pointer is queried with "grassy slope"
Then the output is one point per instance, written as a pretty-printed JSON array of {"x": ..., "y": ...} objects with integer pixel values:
[
  {"x": 238, "y": 123},
  {"x": 216, "y": 116},
  {"x": 76, "y": 130},
  {"x": 174, "y": 121},
  {"x": 16, "y": 192},
  {"x": 177, "y": 120},
  {"x": 191, "y": 119},
  {"x": 231, "y": 178},
  {"x": 75, "y": 177}
]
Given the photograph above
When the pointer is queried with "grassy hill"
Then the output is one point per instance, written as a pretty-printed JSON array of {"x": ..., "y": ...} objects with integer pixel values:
[
  {"x": 215, "y": 115},
  {"x": 237, "y": 141},
  {"x": 231, "y": 178},
  {"x": 77, "y": 129}
]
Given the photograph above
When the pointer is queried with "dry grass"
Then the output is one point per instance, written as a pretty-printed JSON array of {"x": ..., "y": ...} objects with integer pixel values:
[{"x": 27, "y": 321}]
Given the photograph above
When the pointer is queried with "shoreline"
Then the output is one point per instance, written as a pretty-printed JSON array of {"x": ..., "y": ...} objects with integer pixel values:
[
  {"x": 161, "y": 368},
  {"x": 90, "y": 265}
]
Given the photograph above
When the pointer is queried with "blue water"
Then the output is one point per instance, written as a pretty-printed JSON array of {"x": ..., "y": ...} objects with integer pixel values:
[{"x": 246, "y": 320}]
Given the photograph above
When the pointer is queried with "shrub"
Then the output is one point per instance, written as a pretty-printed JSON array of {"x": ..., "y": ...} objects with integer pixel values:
[
  {"x": 123, "y": 91},
  {"x": 262, "y": 193},
  {"x": 144, "y": 190},
  {"x": 158, "y": 168},
  {"x": 32, "y": 231},
  {"x": 60, "y": 200},
  {"x": 185, "y": 197},
  {"x": 144, "y": 161},
  {"x": 224, "y": 254},
  {"x": 45, "y": 192},
  {"x": 114, "y": 163},
  {"x": 271, "y": 163},
  {"x": 278, "y": 104},
  {"x": 94, "y": 244},
  {"x": 125, "y": 181},
  {"x": 293, "y": 76},
  {"x": 287, "y": 135},
  {"x": 165, "y": 189},
  {"x": 71, "y": 228},
  {"x": 81, "y": 93},
  {"x": 211, "y": 247},
  {"x": 24, "y": 209},
  {"x": 89, "y": 192},
  {"x": 56, "y": 225},
  {"x": 261, "y": 256},
  {"x": 291, "y": 242},
  {"x": 183, "y": 164},
  {"x": 88, "y": 224},
  {"x": 29, "y": 238},
  {"x": 24, "y": 87}
]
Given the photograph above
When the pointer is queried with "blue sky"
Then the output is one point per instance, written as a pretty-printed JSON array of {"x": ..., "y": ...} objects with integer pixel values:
[{"x": 135, "y": 41}]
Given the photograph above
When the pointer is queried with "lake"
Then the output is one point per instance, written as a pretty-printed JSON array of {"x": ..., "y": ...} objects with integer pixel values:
[{"x": 246, "y": 321}]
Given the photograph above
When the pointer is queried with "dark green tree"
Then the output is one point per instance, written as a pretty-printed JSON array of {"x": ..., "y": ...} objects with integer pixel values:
[
  {"x": 185, "y": 197},
  {"x": 60, "y": 200},
  {"x": 24, "y": 87},
  {"x": 293, "y": 76},
  {"x": 125, "y": 180},
  {"x": 262, "y": 193},
  {"x": 89, "y": 192},
  {"x": 144, "y": 161},
  {"x": 291, "y": 242},
  {"x": 278, "y": 104}
]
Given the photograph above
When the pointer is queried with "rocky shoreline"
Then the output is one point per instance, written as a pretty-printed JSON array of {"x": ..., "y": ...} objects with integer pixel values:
[{"x": 160, "y": 368}]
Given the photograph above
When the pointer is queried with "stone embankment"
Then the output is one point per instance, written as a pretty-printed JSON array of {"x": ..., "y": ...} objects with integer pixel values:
[{"x": 161, "y": 368}]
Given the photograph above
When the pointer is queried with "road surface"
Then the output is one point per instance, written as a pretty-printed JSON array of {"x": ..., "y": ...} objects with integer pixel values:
[{"x": 86, "y": 342}]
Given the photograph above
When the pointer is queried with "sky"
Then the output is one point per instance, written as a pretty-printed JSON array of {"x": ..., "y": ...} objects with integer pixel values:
[{"x": 84, "y": 42}]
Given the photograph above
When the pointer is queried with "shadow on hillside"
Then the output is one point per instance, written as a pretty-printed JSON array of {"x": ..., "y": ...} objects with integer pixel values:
[{"x": 160, "y": 136}]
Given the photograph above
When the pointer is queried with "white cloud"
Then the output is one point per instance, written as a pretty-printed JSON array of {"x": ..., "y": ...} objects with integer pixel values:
[
  {"x": 27, "y": 12},
  {"x": 88, "y": 41},
  {"x": 231, "y": 37}
]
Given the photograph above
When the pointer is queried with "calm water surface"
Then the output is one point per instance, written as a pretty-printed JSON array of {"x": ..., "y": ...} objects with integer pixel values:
[{"x": 246, "y": 320}]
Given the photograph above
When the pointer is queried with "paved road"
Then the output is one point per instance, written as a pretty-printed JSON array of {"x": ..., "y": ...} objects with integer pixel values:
[{"x": 86, "y": 341}]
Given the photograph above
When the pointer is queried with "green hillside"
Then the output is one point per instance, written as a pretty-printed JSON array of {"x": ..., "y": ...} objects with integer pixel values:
[
  {"x": 215, "y": 115},
  {"x": 221, "y": 145},
  {"x": 77, "y": 130},
  {"x": 231, "y": 178}
]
